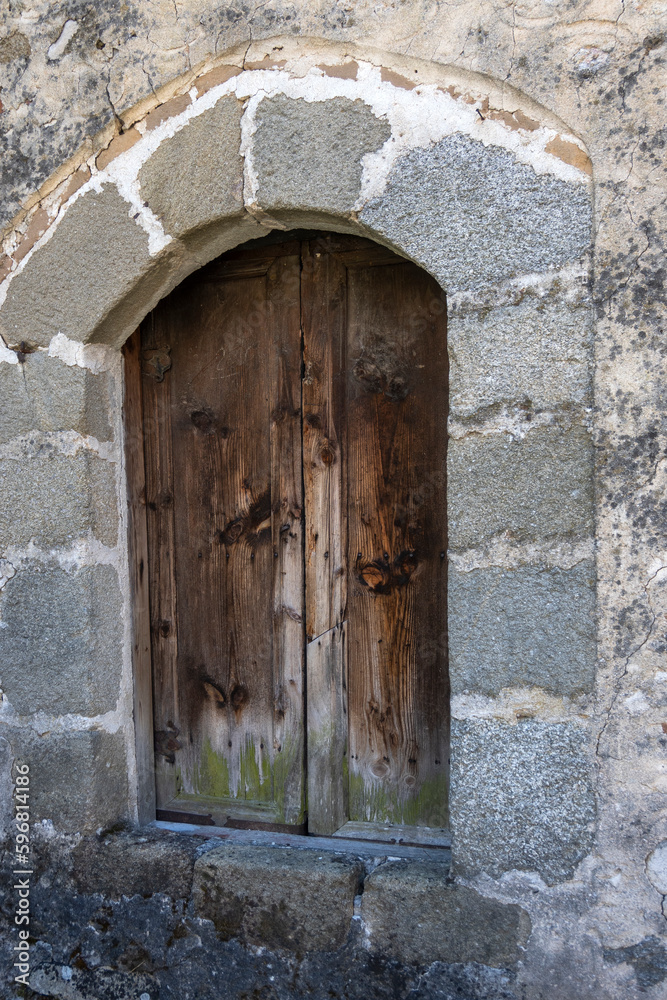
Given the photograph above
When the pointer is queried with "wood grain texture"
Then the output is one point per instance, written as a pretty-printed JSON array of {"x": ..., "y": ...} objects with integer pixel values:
[
  {"x": 396, "y": 467},
  {"x": 287, "y": 530},
  {"x": 234, "y": 422},
  {"x": 323, "y": 310},
  {"x": 294, "y": 410},
  {"x": 156, "y": 398},
  {"x": 138, "y": 560}
]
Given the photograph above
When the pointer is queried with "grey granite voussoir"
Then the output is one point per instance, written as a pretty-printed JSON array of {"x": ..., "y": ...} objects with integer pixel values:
[
  {"x": 71, "y": 283},
  {"x": 195, "y": 178},
  {"x": 308, "y": 154},
  {"x": 473, "y": 214}
]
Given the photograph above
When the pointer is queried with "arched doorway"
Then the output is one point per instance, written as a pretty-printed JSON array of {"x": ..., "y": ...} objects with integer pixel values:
[{"x": 294, "y": 406}]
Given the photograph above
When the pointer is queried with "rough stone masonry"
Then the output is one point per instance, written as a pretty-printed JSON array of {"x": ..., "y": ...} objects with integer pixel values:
[{"x": 516, "y": 151}]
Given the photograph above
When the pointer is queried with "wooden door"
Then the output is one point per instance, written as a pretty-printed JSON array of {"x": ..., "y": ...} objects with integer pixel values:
[{"x": 294, "y": 406}]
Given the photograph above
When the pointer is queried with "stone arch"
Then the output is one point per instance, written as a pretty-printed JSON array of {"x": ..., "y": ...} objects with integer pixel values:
[
  {"x": 420, "y": 158},
  {"x": 489, "y": 193}
]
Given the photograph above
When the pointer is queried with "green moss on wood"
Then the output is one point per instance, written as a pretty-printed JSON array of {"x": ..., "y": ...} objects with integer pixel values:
[
  {"x": 376, "y": 803},
  {"x": 211, "y": 776},
  {"x": 274, "y": 784}
]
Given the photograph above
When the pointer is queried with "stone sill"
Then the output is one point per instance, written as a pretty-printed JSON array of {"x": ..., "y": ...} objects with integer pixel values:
[
  {"x": 288, "y": 894},
  {"x": 338, "y": 845}
]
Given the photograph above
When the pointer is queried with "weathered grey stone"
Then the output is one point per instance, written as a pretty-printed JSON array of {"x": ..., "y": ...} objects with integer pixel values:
[
  {"x": 521, "y": 797},
  {"x": 57, "y": 980},
  {"x": 278, "y": 897},
  {"x": 46, "y": 395},
  {"x": 308, "y": 154},
  {"x": 472, "y": 214},
  {"x": 6, "y": 785},
  {"x": 656, "y": 868},
  {"x": 540, "y": 486},
  {"x": 412, "y": 913},
  {"x": 56, "y": 499},
  {"x": 74, "y": 280},
  {"x": 537, "y": 352},
  {"x": 648, "y": 959},
  {"x": 61, "y": 640},
  {"x": 130, "y": 863},
  {"x": 196, "y": 177},
  {"x": 97, "y": 947},
  {"x": 524, "y": 626},
  {"x": 77, "y": 779}
]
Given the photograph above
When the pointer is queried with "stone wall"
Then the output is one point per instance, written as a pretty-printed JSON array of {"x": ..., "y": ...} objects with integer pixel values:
[
  {"x": 475, "y": 142},
  {"x": 160, "y": 915}
]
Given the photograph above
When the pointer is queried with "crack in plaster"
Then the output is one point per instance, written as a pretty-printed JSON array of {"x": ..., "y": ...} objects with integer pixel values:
[
  {"x": 7, "y": 572},
  {"x": 513, "y": 52},
  {"x": 251, "y": 39},
  {"x": 115, "y": 114},
  {"x": 619, "y": 682}
]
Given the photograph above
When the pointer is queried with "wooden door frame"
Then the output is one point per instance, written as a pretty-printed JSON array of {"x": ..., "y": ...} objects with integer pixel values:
[{"x": 138, "y": 565}]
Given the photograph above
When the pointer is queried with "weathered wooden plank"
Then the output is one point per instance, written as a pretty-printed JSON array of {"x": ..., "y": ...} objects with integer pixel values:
[
  {"x": 157, "y": 406},
  {"x": 323, "y": 318},
  {"x": 287, "y": 536},
  {"x": 224, "y": 568},
  {"x": 234, "y": 338},
  {"x": 138, "y": 560},
  {"x": 388, "y": 833},
  {"x": 327, "y": 731},
  {"x": 396, "y": 455}
]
